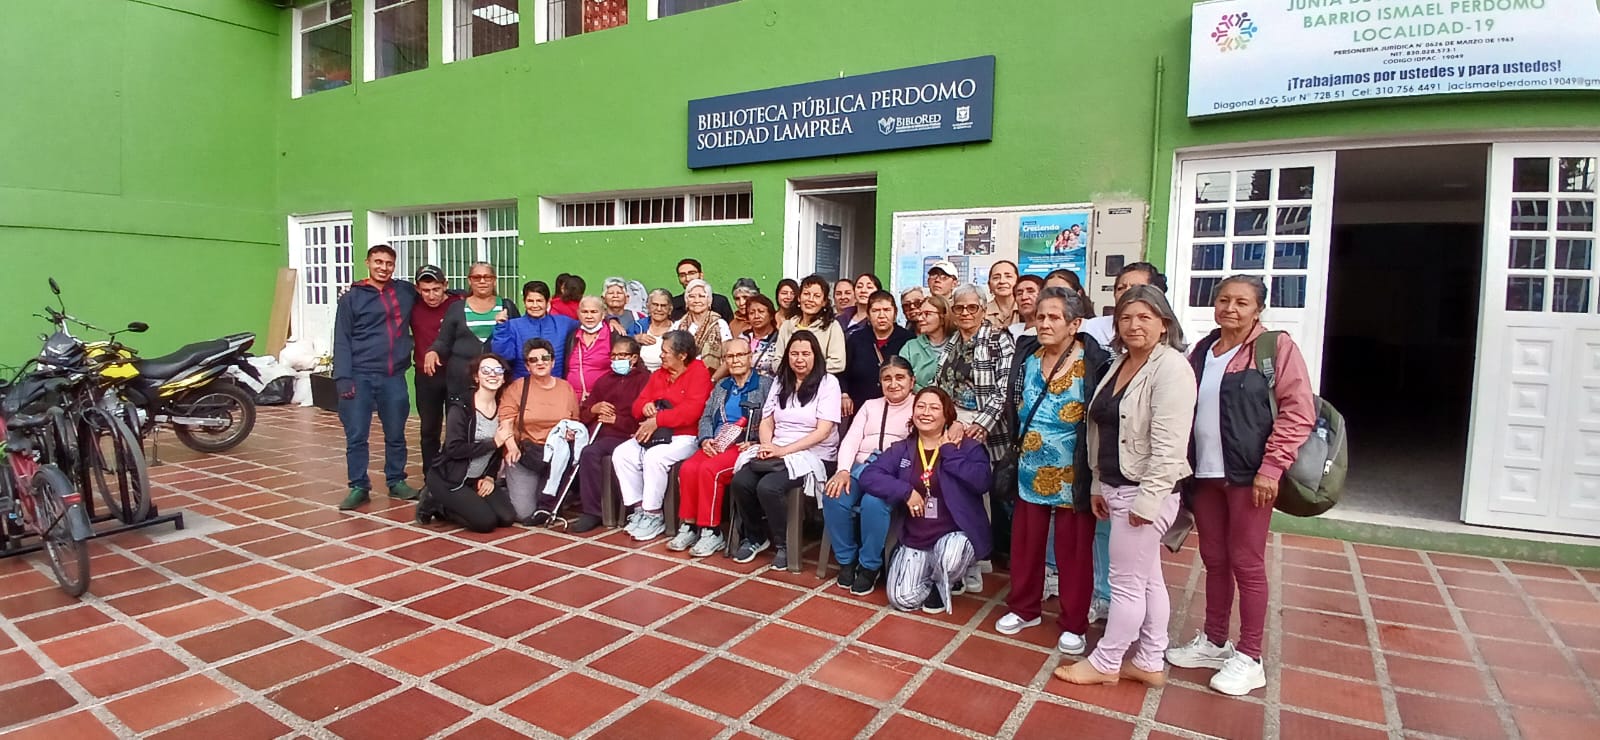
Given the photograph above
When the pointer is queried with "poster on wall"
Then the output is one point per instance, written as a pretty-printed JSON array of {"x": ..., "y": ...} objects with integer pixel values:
[
  {"x": 974, "y": 239},
  {"x": 830, "y": 239},
  {"x": 1261, "y": 54},
  {"x": 1054, "y": 241}
]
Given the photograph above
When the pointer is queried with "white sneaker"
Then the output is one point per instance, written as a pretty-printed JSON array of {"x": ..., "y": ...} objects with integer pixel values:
[
  {"x": 1071, "y": 644},
  {"x": 1200, "y": 653},
  {"x": 1240, "y": 675},
  {"x": 650, "y": 527},
  {"x": 686, "y": 538},
  {"x": 986, "y": 566},
  {"x": 1052, "y": 583},
  {"x": 1099, "y": 609},
  {"x": 633, "y": 521},
  {"x": 1011, "y": 624},
  {"x": 710, "y": 543},
  {"x": 974, "y": 579}
]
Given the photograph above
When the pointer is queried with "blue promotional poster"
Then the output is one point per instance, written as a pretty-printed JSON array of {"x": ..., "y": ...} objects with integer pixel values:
[{"x": 1053, "y": 242}]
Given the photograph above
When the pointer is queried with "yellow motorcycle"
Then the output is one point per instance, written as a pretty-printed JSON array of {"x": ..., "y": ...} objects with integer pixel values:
[{"x": 187, "y": 390}]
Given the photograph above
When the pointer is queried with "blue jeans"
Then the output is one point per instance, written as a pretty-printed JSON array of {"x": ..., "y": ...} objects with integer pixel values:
[
  {"x": 1102, "y": 558},
  {"x": 845, "y": 513},
  {"x": 391, "y": 398}
]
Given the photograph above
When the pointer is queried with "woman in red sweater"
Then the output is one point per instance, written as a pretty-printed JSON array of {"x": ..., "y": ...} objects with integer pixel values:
[{"x": 673, "y": 400}]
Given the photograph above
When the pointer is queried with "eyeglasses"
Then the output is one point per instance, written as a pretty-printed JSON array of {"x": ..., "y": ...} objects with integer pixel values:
[
  {"x": 540, "y": 358},
  {"x": 689, "y": 274},
  {"x": 736, "y": 356},
  {"x": 480, "y": 277},
  {"x": 622, "y": 355},
  {"x": 968, "y": 308},
  {"x": 491, "y": 371}
]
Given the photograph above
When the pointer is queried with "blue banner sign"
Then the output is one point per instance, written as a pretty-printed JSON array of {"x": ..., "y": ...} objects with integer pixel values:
[{"x": 945, "y": 103}]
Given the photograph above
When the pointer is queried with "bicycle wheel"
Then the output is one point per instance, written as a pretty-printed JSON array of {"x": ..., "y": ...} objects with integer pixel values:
[
  {"x": 69, "y": 557},
  {"x": 114, "y": 466}
]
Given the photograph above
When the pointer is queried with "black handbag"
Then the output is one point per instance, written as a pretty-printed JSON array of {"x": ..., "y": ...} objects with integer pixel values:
[
  {"x": 661, "y": 435},
  {"x": 532, "y": 452}
]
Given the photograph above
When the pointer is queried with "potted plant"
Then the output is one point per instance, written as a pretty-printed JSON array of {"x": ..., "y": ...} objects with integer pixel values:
[{"x": 323, "y": 394}]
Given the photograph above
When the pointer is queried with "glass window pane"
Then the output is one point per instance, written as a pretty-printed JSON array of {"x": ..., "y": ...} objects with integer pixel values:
[
  {"x": 1212, "y": 187},
  {"x": 1571, "y": 295},
  {"x": 1250, "y": 222},
  {"x": 1574, "y": 254},
  {"x": 1527, "y": 254},
  {"x": 1524, "y": 293},
  {"x": 1210, "y": 223},
  {"x": 485, "y": 26},
  {"x": 1207, "y": 257},
  {"x": 1290, "y": 255},
  {"x": 674, "y": 7},
  {"x": 1576, "y": 175},
  {"x": 1294, "y": 220},
  {"x": 401, "y": 34},
  {"x": 339, "y": 9},
  {"x": 1295, "y": 183},
  {"x": 1250, "y": 256},
  {"x": 1574, "y": 215},
  {"x": 1202, "y": 291},
  {"x": 1289, "y": 291},
  {"x": 1530, "y": 175},
  {"x": 1530, "y": 215},
  {"x": 1253, "y": 185},
  {"x": 325, "y": 58}
]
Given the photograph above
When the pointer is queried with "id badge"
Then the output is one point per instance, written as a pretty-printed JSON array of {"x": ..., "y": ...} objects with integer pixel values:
[{"x": 930, "y": 509}]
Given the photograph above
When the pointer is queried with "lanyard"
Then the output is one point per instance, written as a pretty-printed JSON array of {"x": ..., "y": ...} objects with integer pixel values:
[{"x": 927, "y": 465}]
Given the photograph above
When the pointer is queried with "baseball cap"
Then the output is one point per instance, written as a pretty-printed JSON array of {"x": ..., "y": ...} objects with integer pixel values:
[
  {"x": 944, "y": 266},
  {"x": 430, "y": 273}
]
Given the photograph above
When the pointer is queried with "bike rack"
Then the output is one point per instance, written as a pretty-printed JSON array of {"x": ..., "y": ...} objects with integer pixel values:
[{"x": 16, "y": 542}]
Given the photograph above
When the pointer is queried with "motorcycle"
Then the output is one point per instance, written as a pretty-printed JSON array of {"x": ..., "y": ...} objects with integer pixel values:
[{"x": 187, "y": 390}]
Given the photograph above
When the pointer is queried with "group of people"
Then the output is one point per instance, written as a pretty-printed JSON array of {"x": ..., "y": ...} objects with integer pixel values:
[{"x": 958, "y": 425}]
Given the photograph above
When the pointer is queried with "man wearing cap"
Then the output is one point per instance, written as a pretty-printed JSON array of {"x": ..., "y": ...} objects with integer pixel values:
[
  {"x": 426, "y": 318},
  {"x": 942, "y": 276},
  {"x": 371, "y": 352}
]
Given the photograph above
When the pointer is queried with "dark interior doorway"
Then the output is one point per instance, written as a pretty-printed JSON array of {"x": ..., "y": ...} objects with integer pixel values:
[{"x": 1405, "y": 274}]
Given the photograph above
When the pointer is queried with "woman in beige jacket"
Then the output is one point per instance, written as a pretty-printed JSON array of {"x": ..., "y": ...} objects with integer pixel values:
[{"x": 1140, "y": 421}]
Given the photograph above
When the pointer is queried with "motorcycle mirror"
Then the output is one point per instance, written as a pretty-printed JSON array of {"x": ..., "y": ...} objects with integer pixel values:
[
  {"x": 54, "y": 288},
  {"x": 138, "y": 327}
]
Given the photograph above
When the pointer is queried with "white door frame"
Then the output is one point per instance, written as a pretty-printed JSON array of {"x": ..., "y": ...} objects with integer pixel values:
[
  {"x": 299, "y": 320},
  {"x": 795, "y": 255}
]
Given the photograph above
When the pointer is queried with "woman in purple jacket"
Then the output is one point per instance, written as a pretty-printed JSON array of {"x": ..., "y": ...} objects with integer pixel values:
[{"x": 938, "y": 487}]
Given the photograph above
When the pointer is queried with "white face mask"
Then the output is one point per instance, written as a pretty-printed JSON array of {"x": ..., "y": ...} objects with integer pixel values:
[{"x": 587, "y": 329}]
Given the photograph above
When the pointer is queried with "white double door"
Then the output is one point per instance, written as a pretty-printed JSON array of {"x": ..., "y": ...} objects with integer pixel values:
[
  {"x": 320, "y": 253},
  {"x": 1534, "y": 455}
]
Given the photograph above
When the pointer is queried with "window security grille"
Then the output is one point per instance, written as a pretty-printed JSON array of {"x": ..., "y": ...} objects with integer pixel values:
[
  {"x": 454, "y": 239},
  {"x": 721, "y": 204}
]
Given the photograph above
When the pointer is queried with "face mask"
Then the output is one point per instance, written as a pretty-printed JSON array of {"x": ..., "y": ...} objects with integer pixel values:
[
  {"x": 621, "y": 367},
  {"x": 588, "y": 329}
]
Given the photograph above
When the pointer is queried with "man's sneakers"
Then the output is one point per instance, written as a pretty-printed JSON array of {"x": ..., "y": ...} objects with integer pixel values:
[
  {"x": 847, "y": 575},
  {"x": 686, "y": 538},
  {"x": 749, "y": 550},
  {"x": 710, "y": 543},
  {"x": 866, "y": 579},
  {"x": 585, "y": 523},
  {"x": 1011, "y": 624},
  {"x": 355, "y": 498},
  {"x": 403, "y": 492},
  {"x": 1200, "y": 653},
  {"x": 780, "y": 558},
  {"x": 1240, "y": 675}
]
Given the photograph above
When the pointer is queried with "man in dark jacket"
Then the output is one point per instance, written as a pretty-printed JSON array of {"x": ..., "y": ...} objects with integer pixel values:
[
  {"x": 611, "y": 404},
  {"x": 688, "y": 272},
  {"x": 371, "y": 351},
  {"x": 431, "y": 388}
]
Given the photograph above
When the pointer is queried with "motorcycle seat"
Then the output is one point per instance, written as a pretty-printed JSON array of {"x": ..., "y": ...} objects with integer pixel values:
[{"x": 168, "y": 366}]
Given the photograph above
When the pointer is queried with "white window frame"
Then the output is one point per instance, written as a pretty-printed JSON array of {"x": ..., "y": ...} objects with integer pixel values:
[
  {"x": 550, "y": 207},
  {"x": 296, "y": 54},
  {"x": 654, "y": 10},
  {"x": 369, "y": 36},
  {"x": 380, "y": 230},
  {"x": 448, "y": 23},
  {"x": 541, "y": 22}
]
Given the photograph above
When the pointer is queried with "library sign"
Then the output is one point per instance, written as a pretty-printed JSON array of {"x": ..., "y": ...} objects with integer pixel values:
[
  {"x": 945, "y": 103},
  {"x": 1257, "y": 54}
]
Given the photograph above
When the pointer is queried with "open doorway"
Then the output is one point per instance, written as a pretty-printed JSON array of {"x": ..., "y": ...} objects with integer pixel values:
[
  {"x": 1405, "y": 274},
  {"x": 832, "y": 227}
]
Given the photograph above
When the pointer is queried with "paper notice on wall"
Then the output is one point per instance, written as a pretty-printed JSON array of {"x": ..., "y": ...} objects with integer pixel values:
[
  {"x": 931, "y": 237},
  {"x": 908, "y": 271},
  {"x": 978, "y": 270},
  {"x": 907, "y": 240},
  {"x": 1053, "y": 241}
]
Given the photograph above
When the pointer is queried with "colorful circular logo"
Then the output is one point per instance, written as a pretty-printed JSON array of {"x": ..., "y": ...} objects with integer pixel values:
[{"x": 1234, "y": 32}]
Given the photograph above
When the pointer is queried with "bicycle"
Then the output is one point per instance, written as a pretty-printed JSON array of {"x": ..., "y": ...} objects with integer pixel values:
[{"x": 50, "y": 507}]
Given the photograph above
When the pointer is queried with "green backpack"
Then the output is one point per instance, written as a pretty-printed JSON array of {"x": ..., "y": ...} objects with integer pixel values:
[{"x": 1313, "y": 484}]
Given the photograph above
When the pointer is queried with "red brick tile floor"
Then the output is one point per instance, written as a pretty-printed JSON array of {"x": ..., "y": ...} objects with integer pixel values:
[{"x": 280, "y": 616}]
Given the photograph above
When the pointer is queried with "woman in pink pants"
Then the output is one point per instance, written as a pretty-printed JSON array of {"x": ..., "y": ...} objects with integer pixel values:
[
  {"x": 1138, "y": 441},
  {"x": 1236, "y": 476}
]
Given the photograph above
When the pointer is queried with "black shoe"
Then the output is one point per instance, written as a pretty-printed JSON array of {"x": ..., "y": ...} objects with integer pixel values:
[
  {"x": 426, "y": 512},
  {"x": 585, "y": 523},
  {"x": 934, "y": 604},
  {"x": 847, "y": 575},
  {"x": 539, "y": 519},
  {"x": 866, "y": 580}
]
